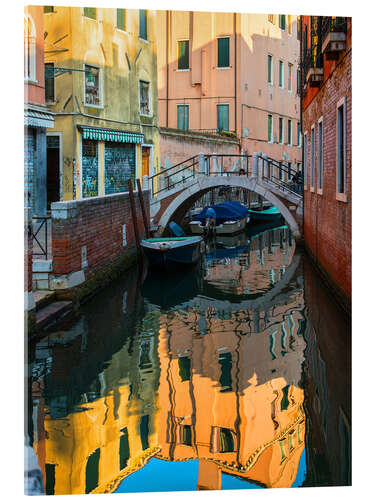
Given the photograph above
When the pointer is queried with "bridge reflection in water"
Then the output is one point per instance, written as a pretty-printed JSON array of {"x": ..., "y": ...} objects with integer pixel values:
[{"x": 197, "y": 368}]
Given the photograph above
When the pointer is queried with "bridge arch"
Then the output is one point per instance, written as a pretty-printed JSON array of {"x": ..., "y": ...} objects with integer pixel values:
[{"x": 206, "y": 183}]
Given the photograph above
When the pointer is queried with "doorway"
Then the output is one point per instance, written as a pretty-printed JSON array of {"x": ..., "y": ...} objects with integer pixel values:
[{"x": 53, "y": 169}]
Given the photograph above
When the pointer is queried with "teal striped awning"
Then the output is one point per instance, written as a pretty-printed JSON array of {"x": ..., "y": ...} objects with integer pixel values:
[{"x": 107, "y": 134}]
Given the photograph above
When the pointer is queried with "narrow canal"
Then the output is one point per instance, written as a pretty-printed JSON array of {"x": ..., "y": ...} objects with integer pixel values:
[{"x": 234, "y": 374}]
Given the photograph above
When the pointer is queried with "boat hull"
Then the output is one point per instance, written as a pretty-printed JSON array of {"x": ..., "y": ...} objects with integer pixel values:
[
  {"x": 263, "y": 216},
  {"x": 167, "y": 254},
  {"x": 230, "y": 227}
]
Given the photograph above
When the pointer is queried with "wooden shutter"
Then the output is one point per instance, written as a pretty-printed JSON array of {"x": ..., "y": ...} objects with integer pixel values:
[
  {"x": 121, "y": 19},
  {"x": 183, "y": 54},
  {"x": 143, "y": 24},
  {"x": 223, "y": 52}
]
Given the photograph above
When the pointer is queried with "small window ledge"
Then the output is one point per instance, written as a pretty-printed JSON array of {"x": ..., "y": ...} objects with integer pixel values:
[
  {"x": 312, "y": 189},
  {"x": 342, "y": 197},
  {"x": 319, "y": 191}
]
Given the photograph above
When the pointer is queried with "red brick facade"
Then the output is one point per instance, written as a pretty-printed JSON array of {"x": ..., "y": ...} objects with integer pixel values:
[
  {"x": 327, "y": 219},
  {"x": 97, "y": 224}
]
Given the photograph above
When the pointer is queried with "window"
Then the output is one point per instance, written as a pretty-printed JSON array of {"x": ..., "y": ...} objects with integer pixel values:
[
  {"x": 281, "y": 74},
  {"x": 89, "y": 12},
  {"x": 270, "y": 69},
  {"x": 281, "y": 130},
  {"x": 184, "y": 368},
  {"x": 289, "y": 170},
  {"x": 289, "y": 25},
  {"x": 144, "y": 430},
  {"x": 183, "y": 54},
  {"x": 312, "y": 158},
  {"x": 320, "y": 154},
  {"x": 305, "y": 157},
  {"x": 50, "y": 479},
  {"x": 92, "y": 86},
  {"x": 92, "y": 471},
  {"x": 223, "y": 117},
  {"x": 299, "y": 28},
  {"x": 49, "y": 82},
  {"x": 144, "y": 98},
  {"x": 298, "y": 134},
  {"x": 186, "y": 435},
  {"x": 341, "y": 143},
  {"x": 298, "y": 82},
  {"x": 282, "y": 449},
  {"x": 48, "y": 9},
  {"x": 225, "y": 360},
  {"x": 290, "y": 73},
  {"x": 271, "y": 18},
  {"x": 223, "y": 440},
  {"x": 270, "y": 128},
  {"x": 124, "y": 449},
  {"x": 289, "y": 132},
  {"x": 29, "y": 50},
  {"x": 121, "y": 19},
  {"x": 183, "y": 116},
  {"x": 143, "y": 24},
  {"x": 282, "y": 21},
  {"x": 223, "y": 52}
]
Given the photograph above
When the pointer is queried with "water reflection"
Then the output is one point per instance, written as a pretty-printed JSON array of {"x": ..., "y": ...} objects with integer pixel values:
[{"x": 202, "y": 372}]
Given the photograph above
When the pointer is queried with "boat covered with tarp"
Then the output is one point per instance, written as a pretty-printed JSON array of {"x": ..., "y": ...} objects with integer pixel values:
[{"x": 231, "y": 217}]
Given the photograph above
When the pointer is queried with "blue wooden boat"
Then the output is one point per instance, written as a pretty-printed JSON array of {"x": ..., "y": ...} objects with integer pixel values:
[
  {"x": 174, "y": 251},
  {"x": 266, "y": 215}
]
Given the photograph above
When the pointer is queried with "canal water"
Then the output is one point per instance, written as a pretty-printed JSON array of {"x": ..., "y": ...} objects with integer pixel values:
[{"x": 235, "y": 374}]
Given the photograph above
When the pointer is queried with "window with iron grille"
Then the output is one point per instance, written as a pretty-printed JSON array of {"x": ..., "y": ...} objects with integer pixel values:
[
  {"x": 223, "y": 52},
  {"x": 89, "y": 12},
  {"x": 49, "y": 83},
  {"x": 290, "y": 132},
  {"x": 92, "y": 85},
  {"x": 183, "y": 116},
  {"x": 282, "y": 21},
  {"x": 144, "y": 98},
  {"x": 121, "y": 19},
  {"x": 183, "y": 54},
  {"x": 143, "y": 24}
]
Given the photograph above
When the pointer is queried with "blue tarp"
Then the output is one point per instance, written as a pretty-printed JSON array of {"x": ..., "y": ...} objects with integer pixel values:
[{"x": 229, "y": 210}]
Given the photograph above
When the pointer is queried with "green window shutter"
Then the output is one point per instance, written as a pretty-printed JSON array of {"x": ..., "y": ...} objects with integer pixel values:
[
  {"x": 89, "y": 12},
  {"x": 269, "y": 128},
  {"x": 183, "y": 117},
  {"x": 183, "y": 54},
  {"x": 223, "y": 116},
  {"x": 121, "y": 19},
  {"x": 270, "y": 65},
  {"x": 281, "y": 74},
  {"x": 186, "y": 437},
  {"x": 282, "y": 21},
  {"x": 124, "y": 450},
  {"x": 92, "y": 471},
  {"x": 144, "y": 431},
  {"x": 48, "y": 9},
  {"x": 49, "y": 83},
  {"x": 143, "y": 24},
  {"x": 225, "y": 360},
  {"x": 223, "y": 52}
]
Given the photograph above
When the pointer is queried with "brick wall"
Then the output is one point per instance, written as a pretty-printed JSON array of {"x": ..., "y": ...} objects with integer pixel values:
[
  {"x": 97, "y": 224},
  {"x": 327, "y": 221}
]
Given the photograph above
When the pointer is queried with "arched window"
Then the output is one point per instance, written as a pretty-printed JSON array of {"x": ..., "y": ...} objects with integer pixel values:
[{"x": 29, "y": 41}]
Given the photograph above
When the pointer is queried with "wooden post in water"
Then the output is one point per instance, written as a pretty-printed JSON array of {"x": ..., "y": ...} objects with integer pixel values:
[
  {"x": 134, "y": 217},
  {"x": 141, "y": 201}
]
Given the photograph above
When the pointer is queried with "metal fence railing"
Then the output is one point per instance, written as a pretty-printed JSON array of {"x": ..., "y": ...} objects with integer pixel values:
[{"x": 41, "y": 236}]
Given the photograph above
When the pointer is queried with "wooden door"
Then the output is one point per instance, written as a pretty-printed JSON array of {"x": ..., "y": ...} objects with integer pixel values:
[{"x": 145, "y": 161}]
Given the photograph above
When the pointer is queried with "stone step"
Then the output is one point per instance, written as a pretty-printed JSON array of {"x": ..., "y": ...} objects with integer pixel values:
[
  {"x": 43, "y": 297},
  {"x": 52, "y": 312}
]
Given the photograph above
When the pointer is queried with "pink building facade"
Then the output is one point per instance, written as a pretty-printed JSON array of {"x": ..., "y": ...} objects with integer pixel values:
[{"x": 234, "y": 75}]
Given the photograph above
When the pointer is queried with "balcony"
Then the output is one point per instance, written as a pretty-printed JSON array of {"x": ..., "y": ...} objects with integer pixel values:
[
  {"x": 333, "y": 36},
  {"x": 312, "y": 68}
]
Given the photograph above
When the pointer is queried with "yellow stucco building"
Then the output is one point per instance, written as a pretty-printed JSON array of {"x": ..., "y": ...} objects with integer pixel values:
[{"x": 106, "y": 128}]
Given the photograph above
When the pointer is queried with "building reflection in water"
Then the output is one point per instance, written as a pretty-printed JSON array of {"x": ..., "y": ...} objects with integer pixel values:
[{"x": 212, "y": 373}]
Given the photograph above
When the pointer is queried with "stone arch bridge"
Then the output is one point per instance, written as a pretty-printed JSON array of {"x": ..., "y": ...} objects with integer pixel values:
[{"x": 176, "y": 189}]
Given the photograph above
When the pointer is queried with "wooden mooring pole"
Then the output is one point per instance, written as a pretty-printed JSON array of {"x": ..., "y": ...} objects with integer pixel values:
[
  {"x": 134, "y": 217},
  {"x": 141, "y": 200}
]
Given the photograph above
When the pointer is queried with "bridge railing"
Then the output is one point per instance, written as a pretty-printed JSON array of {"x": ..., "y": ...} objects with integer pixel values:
[
  {"x": 227, "y": 165},
  {"x": 279, "y": 174},
  {"x": 173, "y": 176}
]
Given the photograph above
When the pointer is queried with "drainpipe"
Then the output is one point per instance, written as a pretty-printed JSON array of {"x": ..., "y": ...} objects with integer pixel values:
[{"x": 167, "y": 65}]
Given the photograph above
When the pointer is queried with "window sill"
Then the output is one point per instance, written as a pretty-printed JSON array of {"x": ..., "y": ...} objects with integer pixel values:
[
  {"x": 182, "y": 70},
  {"x": 147, "y": 116},
  {"x": 144, "y": 39},
  {"x": 223, "y": 67},
  {"x": 122, "y": 31},
  {"x": 320, "y": 191},
  {"x": 97, "y": 106},
  {"x": 30, "y": 80},
  {"x": 312, "y": 189},
  {"x": 305, "y": 187},
  {"x": 342, "y": 197}
]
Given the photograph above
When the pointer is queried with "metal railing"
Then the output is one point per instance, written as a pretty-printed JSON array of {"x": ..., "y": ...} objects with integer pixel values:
[
  {"x": 312, "y": 58},
  {"x": 275, "y": 172},
  {"x": 173, "y": 176},
  {"x": 40, "y": 235}
]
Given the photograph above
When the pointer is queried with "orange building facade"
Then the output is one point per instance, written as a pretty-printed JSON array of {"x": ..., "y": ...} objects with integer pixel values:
[{"x": 233, "y": 75}]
